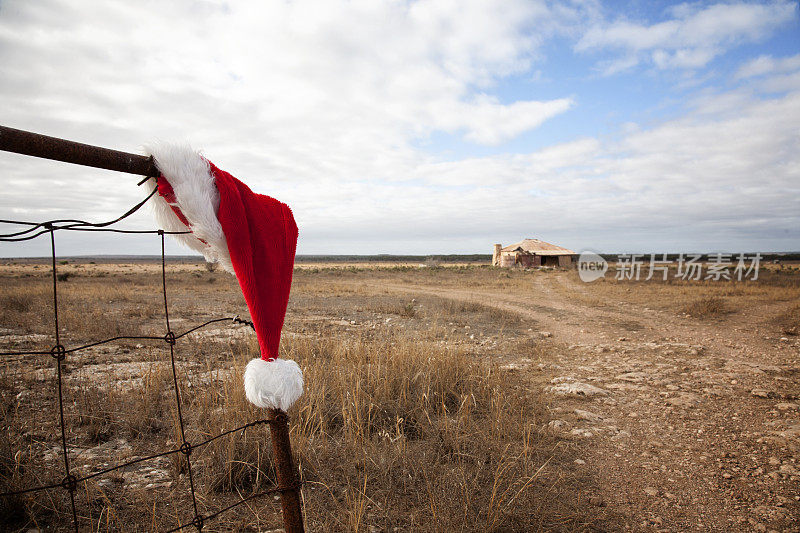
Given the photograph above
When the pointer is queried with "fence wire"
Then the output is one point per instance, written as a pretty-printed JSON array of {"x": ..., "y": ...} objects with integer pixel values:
[{"x": 59, "y": 353}]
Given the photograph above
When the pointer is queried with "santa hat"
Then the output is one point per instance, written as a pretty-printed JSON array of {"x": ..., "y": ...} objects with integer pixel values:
[{"x": 253, "y": 237}]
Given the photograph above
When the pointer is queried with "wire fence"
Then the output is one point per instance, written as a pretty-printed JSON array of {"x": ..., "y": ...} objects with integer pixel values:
[{"x": 277, "y": 420}]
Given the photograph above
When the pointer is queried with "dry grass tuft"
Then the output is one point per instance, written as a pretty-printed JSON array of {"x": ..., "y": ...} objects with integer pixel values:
[
  {"x": 24, "y": 304},
  {"x": 707, "y": 307},
  {"x": 789, "y": 321},
  {"x": 110, "y": 411}
]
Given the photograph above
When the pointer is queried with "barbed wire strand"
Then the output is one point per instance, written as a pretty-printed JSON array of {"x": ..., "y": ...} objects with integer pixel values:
[
  {"x": 235, "y": 320},
  {"x": 51, "y": 225}
]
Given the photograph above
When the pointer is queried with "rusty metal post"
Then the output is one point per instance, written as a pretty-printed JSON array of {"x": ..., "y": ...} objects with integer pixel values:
[
  {"x": 288, "y": 481},
  {"x": 36, "y": 145}
]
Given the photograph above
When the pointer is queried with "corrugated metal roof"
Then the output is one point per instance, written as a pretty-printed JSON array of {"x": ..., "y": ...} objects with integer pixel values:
[{"x": 535, "y": 246}]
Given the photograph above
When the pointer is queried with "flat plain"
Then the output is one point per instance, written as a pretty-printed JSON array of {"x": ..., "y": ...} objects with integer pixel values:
[{"x": 438, "y": 398}]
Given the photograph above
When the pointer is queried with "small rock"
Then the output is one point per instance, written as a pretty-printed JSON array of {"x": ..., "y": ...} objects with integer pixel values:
[
  {"x": 762, "y": 393},
  {"x": 632, "y": 377},
  {"x": 545, "y": 334},
  {"x": 651, "y": 491},
  {"x": 685, "y": 399},
  {"x": 787, "y": 406},
  {"x": 580, "y": 462},
  {"x": 621, "y": 435},
  {"x": 588, "y": 416},
  {"x": 576, "y": 389}
]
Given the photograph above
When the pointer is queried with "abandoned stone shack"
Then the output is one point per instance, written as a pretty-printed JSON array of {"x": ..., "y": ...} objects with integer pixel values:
[{"x": 532, "y": 253}]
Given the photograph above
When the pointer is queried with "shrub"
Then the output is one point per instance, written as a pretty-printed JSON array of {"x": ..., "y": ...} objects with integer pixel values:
[{"x": 707, "y": 307}]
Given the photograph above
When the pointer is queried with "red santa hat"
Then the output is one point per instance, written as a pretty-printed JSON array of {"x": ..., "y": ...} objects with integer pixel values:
[{"x": 253, "y": 237}]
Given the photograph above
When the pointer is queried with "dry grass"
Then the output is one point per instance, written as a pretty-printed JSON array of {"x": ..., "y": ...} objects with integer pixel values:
[
  {"x": 403, "y": 424},
  {"x": 789, "y": 321},
  {"x": 708, "y": 307},
  {"x": 23, "y": 303},
  {"x": 706, "y": 298},
  {"x": 395, "y": 433}
]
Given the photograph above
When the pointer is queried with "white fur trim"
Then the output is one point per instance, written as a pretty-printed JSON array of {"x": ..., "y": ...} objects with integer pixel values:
[
  {"x": 196, "y": 196},
  {"x": 275, "y": 384}
]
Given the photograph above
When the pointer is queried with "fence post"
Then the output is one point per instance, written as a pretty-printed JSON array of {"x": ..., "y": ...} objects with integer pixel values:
[{"x": 288, "y": 481}]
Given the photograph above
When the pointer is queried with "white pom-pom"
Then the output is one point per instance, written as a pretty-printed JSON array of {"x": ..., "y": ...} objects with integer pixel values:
[{"x": 275, "y": 384}]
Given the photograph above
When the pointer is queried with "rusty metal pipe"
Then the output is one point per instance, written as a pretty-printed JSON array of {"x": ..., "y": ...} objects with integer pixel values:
[
  {"x": 286, "y": 473},
  {"x": 34, "y": 144}
]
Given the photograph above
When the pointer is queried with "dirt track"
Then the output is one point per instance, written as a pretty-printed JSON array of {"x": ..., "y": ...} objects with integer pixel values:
[{"x": 685, "y": 424}]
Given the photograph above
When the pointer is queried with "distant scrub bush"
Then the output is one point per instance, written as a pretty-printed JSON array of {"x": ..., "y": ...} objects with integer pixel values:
[{"x": 707, "y": 307}]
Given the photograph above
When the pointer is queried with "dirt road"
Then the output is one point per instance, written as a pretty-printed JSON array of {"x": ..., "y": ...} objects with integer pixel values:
[{"x": 685, "y": 424}]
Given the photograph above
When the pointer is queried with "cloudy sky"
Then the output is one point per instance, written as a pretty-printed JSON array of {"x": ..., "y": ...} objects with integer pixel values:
[{"x": 429, "y": 126}]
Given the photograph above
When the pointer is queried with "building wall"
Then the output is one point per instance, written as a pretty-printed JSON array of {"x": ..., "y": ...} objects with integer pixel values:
[
  {"x": 526, "y": 260},
  {"x": 550, "y": 260},
  {"x": 507, "y": 260},
  {"x": 522, "y": 260},
  {"x": 496, "y": 254}
]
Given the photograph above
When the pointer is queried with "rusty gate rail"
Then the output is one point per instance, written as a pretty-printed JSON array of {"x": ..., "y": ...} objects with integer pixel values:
[{"x": 37, "y": 145}]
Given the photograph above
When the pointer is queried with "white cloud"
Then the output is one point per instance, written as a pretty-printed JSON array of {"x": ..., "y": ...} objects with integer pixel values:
[
  {"x": 711, "y": 180},
  {"x": 488, "y": 122},
  {"x": 307, "y": 100},
  {"x": 767, "y": 64},
  {"x": 321, "y": 105},
  {"x": 621, "y": 64},
  {"x": 691, "y": 39},
  {"x": 691, "y": 58},
  {"x": 770, "y": 74}
]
